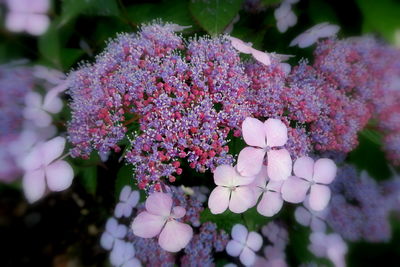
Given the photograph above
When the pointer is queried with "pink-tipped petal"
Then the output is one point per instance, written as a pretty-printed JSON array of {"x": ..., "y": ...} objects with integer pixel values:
[
  {"x": 304, "y": 168},
  {"x": 294, "y": 189},
  {"x": 302, "y": 216},
  {"x": 59, "y": 175},
  {"x": 239, "y": 233},
  {"x": 34, "y": 185},
  {"x": 219, "y": 200},
  {"x": 279, "y": 164},
  {"x": 270, "y": 204},
  {"x": 175, "y": 236},
  {"x": 319, "y": 197},
  {"x": 253, "y": 132},
  {"x": 178, "y": 212},
  {"x": 224, "y": 175},
  {"x": 250, "y": 161},
  {"x": 234, "y": 248},
  {"x": 241, "y": 199},
  {"x": 276, "y": 132},
  {"x": 159, "y": 204},
  {"x": 324, "y": 171},
  {"x": 254, "y": 241},
  {"x": 52, "y": 149},
  {"x": 147, "y": 225},
  {"x": 247, "y": 257},
  {"x": 261, "y": 57}
]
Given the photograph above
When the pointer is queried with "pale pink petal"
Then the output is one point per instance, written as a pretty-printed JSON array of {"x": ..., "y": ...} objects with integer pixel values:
[
  {"x": 125, "y": 192},
  {"x": 59, "y": 175},
  {"x": 37, "y": 24},
  {"x": 15, "y": 22},
  {"x": 34, "y": 185},
  {"x": 319, "y": 197},
  {"x": 234, "y": 248},
  {"x": 302, "y": 216},
  {"x": 33, "y": 159},
  {"x": 219, "y": 200},
  {"x": 52, "y": 149},
  {"x": 253, "y": 132},
  {"x": 53, "y": 105},
  {"x": 282, "y": 11},
  {"x": 175, "y": 236},
  {"x": 294, "y": 189},
  {"x": 304, "y": 168},
  {"x": 39, "y": 6},
  {"x": 275, "y": 186},
  {"x": 247, "y": 257},
  {"x": 178, "y": 212},
  {"x": 239, "y": 233},
  {"x": 276, "y": 132},
  {"x": 254, "y": 241},
  {"x": 328, "y": 31},
  {"x": 159, "y": 204},
  {"x": 270, "y": 204},
  {"x": 242, "y": 180},
  {"x": 147, "y": 225},
  {"x": 241, "y": 199},
  {"x": 259, "y": 184},
  {"x": 279, "y": 164},
  {"x": 324, "y": 171},
  {"x": 224, "y": 174},
  {"x": 282, "y": 26},
  {"x": 239, "y": 45},
  {"x": 317, "y": 225},
  {"x": 291, "y": 19},
  {"x": 22, "y": 6},
  {"x": 307, "y": 40},
  {"x": 250, "y": 161},
  {"x": 261, "y": 57}
]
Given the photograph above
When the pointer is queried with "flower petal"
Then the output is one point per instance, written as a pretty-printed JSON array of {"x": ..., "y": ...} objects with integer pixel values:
[
  {"x": 261, "y": 57},
  {"x": 319, "y": 197},
  {"x": 234, "y": 248},
  {"x": 224, "y": 174},
  {"x": 133, "y": 198},
  {"x": 250, "y": 161},
  {"x": 253, "y": 132},
  {"x": 302, "y": 216},
  {"x": 239, "y": 45},
  {"x": 34, "y": 185},
  {"x": 119, "y": 210},
  {"x": 294, "y": 189},
  {"x": 125, "y": 192},
  {"x": 175, "y": 236},
  {"x": 303, "y": 167},
  {"x": 241, "y": 199},
  {"x": 106, "y": 241},
  {"x": 59, "y": 175},
  {"x": 239, "y": 233},
  {"x": 178, "y": 212},
  {"x": 52, "y": 149},
  {"x": 247, "y": 257},
  {"x": 159, "y": 204},
  {"x": 270, "y": 204},
  {"x": 324, "y": 171},
  {"x": 254, "y": 241},
  {"x": 279, "y": 164},
  {"x": 276, "y": 132},
  {"x": 147, "y": 225},
  {"x": 219, "y": 200},
  {"x": 317, "y": 225}
]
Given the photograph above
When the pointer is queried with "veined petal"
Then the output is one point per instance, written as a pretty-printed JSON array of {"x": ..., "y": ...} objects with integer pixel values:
[
  {"x": 279, "y": 164},
  {"x": 270, "y": 204},
  {"x": 304, "y": 168},
  {"x": 59, "y": 175},
  {"x": 324, "y": 171},
  {"x": 147, "y": 225},
  {"x": 175, "y": 236},
  {"x": 253, "y": 132},
  {"x": 250, "y": 161},
  {"x": 294, "y": 189},
  {"x": 224, "y": 174},
  {"x": 319, "y": 197},
  {"x": 159, "y": 204},
  {"x": 219, "y": 199},
  {"x": 241, "y": 199},
  {"x": 276, "y": 132},
  {"x": 34, "y": 185}
]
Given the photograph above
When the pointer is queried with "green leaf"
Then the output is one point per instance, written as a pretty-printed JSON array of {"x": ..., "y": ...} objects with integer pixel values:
[
  {"x": 214, "y": 15},
  {"x": 270, "y": 2},
  {"x": 124, "y": 177},
  {"x": 254, "y": 220},
  {"x": 89, "y": 179},
  {"x": 49, "y": 46},
  {"x": 69, "y": 56},
  {"x": 224, "y": 221},
  {"x": 321, "y": 11},
  {"x": 380, "y": 16}
]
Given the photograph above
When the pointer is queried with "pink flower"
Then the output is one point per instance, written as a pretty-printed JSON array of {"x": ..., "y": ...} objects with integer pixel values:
[
  {"x": 41, "y": 166},
  {"x": 310, "y": 175},
  {"x": 244, "y": 244},
  {"x": 245, "y": 48},
  {"x": 331, "y": 246},
  {"x": 309, "y": 37},
  {"x": 262, "y": 138},
  {"x": 160, "y": 218},
  {"x": 271, "y": 201},
  {"x": 232, "y": 191}
]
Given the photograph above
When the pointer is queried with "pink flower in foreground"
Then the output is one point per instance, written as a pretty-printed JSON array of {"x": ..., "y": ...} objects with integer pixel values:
[
  {"x": 232, "y": 191},
  {"x": 41, "y": 166},
  {"x": 262, "y": 138},
  {"x": 271, "y": 201},
  {"x": 330, "y": 246},
  {"x": 244, "y": 244},
  {"x": 310, "y": 175},
  {"x": 160, "y": 218}
]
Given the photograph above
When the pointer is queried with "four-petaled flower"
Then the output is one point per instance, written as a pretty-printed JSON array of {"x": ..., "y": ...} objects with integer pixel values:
[
  {"x": 113, "y": 232},
  {"x": 128, "y": 200},
  {"x": 161, "y": 218}
]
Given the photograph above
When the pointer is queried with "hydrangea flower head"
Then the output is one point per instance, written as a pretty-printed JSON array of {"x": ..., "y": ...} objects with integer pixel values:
[{"x": 161, "y": 218}]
